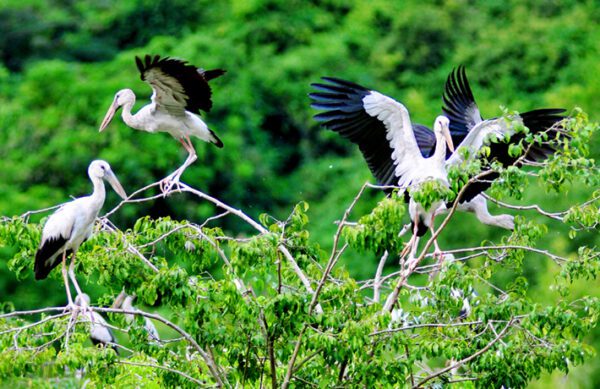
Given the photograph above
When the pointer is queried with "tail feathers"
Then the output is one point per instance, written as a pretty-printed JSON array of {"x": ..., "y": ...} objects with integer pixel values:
[
  {"x": 50, "y": 248},
  {"x": 215, "y": 139}
]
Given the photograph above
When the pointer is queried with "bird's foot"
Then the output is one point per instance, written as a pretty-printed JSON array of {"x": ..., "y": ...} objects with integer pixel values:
[{"x": 169, "y": 184}]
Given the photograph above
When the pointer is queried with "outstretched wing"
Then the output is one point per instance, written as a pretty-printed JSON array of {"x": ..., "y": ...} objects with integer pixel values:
[
  {"x": 459, "y": 105},
  {"x": 379, "y": 125},
  {"x": 473, "y": 131},
  {"x": 177, "y": 86}
]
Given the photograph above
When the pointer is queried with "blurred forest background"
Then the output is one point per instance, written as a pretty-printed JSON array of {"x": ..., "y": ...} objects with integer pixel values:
[{"x": 62, "y": 61}]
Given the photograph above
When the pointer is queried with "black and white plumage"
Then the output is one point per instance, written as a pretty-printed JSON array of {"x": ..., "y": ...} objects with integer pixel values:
[
  {"x": 471, "y": 130},
  {"x": 382, "y": 129},
  {"x": 179, "y": 92},
  {"x": 71, "y": 225},
  {"x": 100, "y": 333},
  {"x": 345, "y": 114}
]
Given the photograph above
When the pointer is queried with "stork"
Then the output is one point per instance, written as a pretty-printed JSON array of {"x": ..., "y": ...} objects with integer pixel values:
[
  {"x": 100, "y": 334},
  {"x": 180, "y": 91},
  {"x": 351, "y": 107},
  {"x": 125, "y": 301},
  {"x": 350, "y": 112},
  {"x": 71, "y": 225}
]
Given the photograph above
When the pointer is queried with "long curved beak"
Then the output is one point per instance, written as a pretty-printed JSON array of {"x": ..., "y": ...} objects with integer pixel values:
[
  {"x": 116, "y": 185},
  {"x": 114, "y": 107},
  {"x": 448, "y": 137}
]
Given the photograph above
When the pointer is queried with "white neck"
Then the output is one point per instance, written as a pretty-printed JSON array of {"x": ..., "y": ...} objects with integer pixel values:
[
  {"x": 99, "y": 193},
  {"x": 440, "y": 147},
  {"x": 131, "y": 120}
]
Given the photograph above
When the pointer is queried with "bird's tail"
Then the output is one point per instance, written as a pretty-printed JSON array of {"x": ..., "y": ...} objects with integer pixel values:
[{"x": 214, "y": 139}]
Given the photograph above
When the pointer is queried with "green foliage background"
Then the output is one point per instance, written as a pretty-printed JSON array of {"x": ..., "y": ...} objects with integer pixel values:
[{"x": 62, "y": 62}]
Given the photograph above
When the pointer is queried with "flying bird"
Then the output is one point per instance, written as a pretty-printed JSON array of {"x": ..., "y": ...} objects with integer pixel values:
[
  {"x": 179, "y": 92},
  {"x": 100, "y": 334},
  {"x": 71, "y": 225},
  {"x": 349, "y": 112}
]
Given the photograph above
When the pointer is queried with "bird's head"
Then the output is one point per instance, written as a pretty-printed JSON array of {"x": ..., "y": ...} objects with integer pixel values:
[
  {"x": 101, "y": 169},
  {"x": 442, "y": 127},
  {"x": 122, "y": 97},
  {"x": 82, "y": 300}
]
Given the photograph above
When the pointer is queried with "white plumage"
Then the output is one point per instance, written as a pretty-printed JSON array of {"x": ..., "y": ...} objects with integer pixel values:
[
  {"x": 148, "y": 325},
  {"x": 99, "y": 331},
  {"x": 179, "y": 92},
  {"x": 72, "y": 224}
]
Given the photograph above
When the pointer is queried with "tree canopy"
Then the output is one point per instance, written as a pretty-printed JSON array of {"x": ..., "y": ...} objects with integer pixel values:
[{"x": 274, "y": 282}]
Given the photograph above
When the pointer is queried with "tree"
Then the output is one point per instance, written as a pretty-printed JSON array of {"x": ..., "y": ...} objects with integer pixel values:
[{"x": 272, "y": 308}]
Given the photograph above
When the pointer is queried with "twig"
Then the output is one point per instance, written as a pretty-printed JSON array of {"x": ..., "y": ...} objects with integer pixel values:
[
  {"x": 207, "y": 359},
  {"x": 467, "y": 359},
  {"x": 169, "y": 369},
  {"x": 377, "y": 281}
]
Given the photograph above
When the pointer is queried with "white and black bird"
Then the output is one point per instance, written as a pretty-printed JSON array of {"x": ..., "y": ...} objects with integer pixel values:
[
  {"x": 179, "y": 92},
  {"x": 378, "y": 123},
  {"x": 72, "y": 224},
  {"x": 349, "y": 113},
  {"x": 100, "y": 333}
]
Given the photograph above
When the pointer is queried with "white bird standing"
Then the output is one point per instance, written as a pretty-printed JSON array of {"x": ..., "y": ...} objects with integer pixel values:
[
  {"x": 100, "y": 334},
  {"x": 180, "y": 91},
  {"x": 71, "y": 225}
]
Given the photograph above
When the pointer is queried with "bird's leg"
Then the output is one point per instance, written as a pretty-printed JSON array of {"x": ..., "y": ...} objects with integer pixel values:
[
  {"x": 73, "y": 278},
  {"x": 66, "y": 280},
  {"x": 437, "y": 253},
  {"x": 172, "y": 180}
]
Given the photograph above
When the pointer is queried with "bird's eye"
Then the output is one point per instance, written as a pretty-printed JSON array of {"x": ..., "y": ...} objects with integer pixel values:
[{"x": 102, "y": 167}]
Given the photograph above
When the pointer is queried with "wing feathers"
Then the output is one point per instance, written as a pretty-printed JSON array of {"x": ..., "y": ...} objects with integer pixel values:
[{"x": 178, "y": 86}]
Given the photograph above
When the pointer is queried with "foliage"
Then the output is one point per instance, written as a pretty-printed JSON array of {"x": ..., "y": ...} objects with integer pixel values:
[{"x": 61, "y": 63}]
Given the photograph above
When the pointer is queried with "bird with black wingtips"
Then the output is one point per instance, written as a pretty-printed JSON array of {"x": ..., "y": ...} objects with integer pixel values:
[
  {"x": 346, "y": 112},
  {"x": 72, "y": 224},
  {"x": 466, "y": 122},
  {"x": 382, "y": 129},
  {"x": 179, "y": 92}
]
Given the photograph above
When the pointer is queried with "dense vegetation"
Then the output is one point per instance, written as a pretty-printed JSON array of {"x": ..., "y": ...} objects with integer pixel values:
[{"x": 61, "y": 63}]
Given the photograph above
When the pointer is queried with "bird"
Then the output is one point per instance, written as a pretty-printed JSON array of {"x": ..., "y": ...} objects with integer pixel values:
[
  {"x": 125, "y": 301},
  {"x": 345, "y": 105},
  {"x": 71, "y": 225},
  {"x": 100, "y": 334},
  {"x": 180, "y": 92},
  {"x": 378, "y": 123}
]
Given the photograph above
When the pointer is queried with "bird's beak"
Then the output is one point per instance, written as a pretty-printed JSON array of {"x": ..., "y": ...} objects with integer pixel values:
[
  {"x": 448, "y": 137},
  {"x": 114, "y": 182},
  {"x": 109, "y": 115}
]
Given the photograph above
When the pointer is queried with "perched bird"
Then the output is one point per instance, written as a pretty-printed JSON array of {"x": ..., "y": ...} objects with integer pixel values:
[
  {"x": 72, "y": 224},
  {"x": 395, "y": 150},
  {"x": 100, "y": 334},
  {"x": 148, "y": 325},
  {"x": 180, "y": 91}
]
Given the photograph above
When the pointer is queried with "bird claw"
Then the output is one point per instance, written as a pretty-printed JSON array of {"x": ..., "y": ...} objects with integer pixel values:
[{"x": 169, "y": 184}]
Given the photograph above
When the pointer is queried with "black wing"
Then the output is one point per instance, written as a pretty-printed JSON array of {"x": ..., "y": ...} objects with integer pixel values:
[
  {"x": 178, "y": 86},
  {"x": 461, "y": 109},
  {"x": 344, "y": 113},
  {"x": 51, "y": 248}
]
